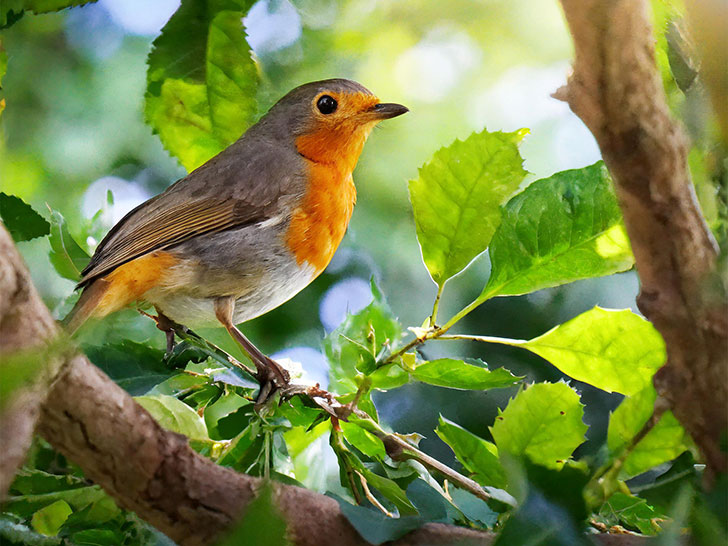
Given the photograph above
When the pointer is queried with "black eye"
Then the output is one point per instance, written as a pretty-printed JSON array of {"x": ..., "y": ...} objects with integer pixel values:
[{"x": 327, "y": 104}]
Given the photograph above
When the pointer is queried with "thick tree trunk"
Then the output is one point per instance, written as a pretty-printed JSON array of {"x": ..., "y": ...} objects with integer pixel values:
[{"x": 616, "y": 90}]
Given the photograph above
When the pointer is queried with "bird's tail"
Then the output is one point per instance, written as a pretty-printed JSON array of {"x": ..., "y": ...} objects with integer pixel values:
[{"x": 86, "y": 305}]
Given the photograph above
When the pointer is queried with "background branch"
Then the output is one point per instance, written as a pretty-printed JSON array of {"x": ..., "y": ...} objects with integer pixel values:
[{"x": 616, "y": 90}]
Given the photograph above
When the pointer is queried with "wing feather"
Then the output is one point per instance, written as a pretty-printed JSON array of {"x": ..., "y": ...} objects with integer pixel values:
[{"x": 165, "y": 228}]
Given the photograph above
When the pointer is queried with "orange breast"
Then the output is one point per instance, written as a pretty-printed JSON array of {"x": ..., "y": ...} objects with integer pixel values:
[{"x": 320, "y": 222}]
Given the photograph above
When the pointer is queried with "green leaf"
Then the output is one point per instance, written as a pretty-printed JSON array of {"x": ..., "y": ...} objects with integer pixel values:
[
  {"x": 363, "y": 440},
  {"x": 613, "y": 350},
  {"x": 135, "y": 367},
  {"x": 456, "y": 374},
  {"x": 458, "y": 195},
  {"x": 543, "y": 422},
  {"x": 240, "y": 447},
  {"x": 67, "y": 256},
  {"x": 174, "y": 415},
  {"x": 390, "y": 490},
  {"x": 473, "y": 508},
  {"x": 12, "y": 10},
  {"x": 19, "y": 218},
  {"x": 223, "y": 407},
  {"x": 75, "y": 494},
  {"x": 478, "y": 456},
  {"x": 20, "y": 369},
  {"x": 389, "y": 376},
  {"x": 553, "y": 512},
  {"x": 48, "y": 520},
  {"x": 201, "y": 81},
  {"x": 262, "y": 523},
  {"x": 558, "y": 230},
  {"x": 356, "y": 344},
  {"x": 375, "y": 527},
  {"x": 663, "y": 443},
  {"x": 631, "y": 512}
]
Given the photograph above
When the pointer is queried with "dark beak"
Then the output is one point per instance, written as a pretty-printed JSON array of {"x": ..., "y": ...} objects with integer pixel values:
[{"x": 388, "y": 110}]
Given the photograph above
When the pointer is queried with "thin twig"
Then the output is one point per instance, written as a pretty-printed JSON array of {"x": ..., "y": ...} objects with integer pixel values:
[{"x": 371, "y": 498}]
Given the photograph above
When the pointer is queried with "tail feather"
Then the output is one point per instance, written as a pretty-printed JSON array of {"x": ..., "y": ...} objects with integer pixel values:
[{"x": 86, "y": 305}]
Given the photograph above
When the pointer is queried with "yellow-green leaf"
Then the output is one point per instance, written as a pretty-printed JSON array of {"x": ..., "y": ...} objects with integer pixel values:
[{"x": 458, "y": 195}]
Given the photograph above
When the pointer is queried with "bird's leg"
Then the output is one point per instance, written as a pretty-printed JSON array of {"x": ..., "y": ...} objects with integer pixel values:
[
  {"x": 166, "y": 325},
  {"x": 268, "y": 369}
]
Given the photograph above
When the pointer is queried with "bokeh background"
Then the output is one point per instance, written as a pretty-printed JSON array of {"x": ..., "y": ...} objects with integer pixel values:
[{"x": 73, "y": 129}]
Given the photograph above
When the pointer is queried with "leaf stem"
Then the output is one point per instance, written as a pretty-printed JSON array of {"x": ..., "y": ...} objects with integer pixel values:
[
  {"x": 437, "y": 332},
  {"x": 436, "y": 306}
]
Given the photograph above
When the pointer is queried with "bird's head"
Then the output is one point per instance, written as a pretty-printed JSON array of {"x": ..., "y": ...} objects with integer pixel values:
[{"x": 329, "y": 120}]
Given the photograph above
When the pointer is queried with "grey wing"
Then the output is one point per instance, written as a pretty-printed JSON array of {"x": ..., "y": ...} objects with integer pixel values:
[{"x": 242, "y": 185}]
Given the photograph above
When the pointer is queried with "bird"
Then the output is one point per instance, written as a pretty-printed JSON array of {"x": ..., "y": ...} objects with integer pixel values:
[{"x": 247, "y": 230}]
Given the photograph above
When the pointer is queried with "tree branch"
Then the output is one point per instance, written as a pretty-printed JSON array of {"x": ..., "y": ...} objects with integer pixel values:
[
  {"x": 25, "y": 324},
  {"x": 616, "y": 90}
]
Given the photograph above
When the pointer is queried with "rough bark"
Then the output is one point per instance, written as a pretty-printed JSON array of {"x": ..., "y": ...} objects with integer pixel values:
[
  {"x": 25, "y": 324},
  {"x": 616, "y": 90}
]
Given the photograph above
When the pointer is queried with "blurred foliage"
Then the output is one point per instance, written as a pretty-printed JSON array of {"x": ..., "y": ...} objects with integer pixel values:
[{"x": 538, "y": 438}]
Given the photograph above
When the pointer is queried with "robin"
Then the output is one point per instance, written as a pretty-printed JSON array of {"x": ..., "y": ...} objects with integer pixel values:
[{"x": 249, "y": 229}]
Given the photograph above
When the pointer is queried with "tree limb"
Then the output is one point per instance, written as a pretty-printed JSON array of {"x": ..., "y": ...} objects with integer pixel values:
[
  {"x": 616, "y": 90},
  {"x": 24, "y": 324}
]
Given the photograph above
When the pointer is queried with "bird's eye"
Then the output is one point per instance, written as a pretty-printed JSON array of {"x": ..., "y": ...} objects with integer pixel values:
[{"x": 327, "y": 104}]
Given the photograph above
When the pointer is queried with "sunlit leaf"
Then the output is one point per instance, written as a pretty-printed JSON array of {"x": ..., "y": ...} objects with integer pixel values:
[
  {"x": 543, "y": 422},
  {"x": 174, "y": 415},
  {"x": 389, "y": 376},
  {"x": 457, "y": 374},
  {"x": 48, "y": 520},
  {"x": 458, "y": 195},
  {"x": 558, "y": 230},
  {"x": 664, "y": 442},
  {"x": 613, "y": 350},
  {"x": 363, "y": 440},
  {"x": 478, "y": 456},
  {"x": 19, "y": 218},
  {"x": 201, "y": 81},
  {"x": 67, "y": 256},
  {"x": 354, "y": 346}
]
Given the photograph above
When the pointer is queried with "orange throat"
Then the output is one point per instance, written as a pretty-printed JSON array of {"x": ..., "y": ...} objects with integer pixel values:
[{"x": 318, "y": 225}]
